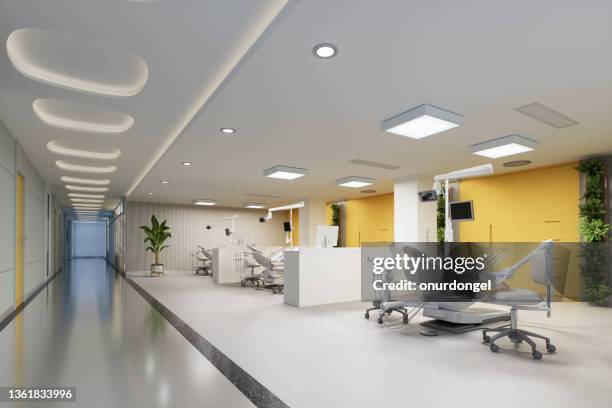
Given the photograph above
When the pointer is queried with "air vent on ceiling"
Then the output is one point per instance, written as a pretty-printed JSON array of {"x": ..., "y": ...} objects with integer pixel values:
[
  {"x": 374, "y": 164},
  {"x": 546, "y": 115},
  {"x": 261, "y": 195},
  {"x": 368, "y": 191},
  {"x": 517, "y": 163}
]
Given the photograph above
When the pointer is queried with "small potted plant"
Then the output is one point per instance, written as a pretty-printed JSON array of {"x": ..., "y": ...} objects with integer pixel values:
[{"x": 156, "y": 236}]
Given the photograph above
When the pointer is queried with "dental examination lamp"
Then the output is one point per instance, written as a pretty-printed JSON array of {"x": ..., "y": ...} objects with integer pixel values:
[
  {"x": 453, "y": 176},
  {"x": 289, "y": 207}
]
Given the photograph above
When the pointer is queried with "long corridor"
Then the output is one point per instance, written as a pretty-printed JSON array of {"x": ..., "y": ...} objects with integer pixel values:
[{"x": 90, "y": 329}]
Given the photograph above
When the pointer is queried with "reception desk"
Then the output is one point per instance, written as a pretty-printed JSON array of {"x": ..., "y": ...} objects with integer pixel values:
[
  {"x": 320, "y": 276},
  {"x": 224, "y": 264}
]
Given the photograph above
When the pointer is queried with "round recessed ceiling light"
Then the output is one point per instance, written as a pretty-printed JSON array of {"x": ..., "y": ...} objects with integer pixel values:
[
  {"x": 228, "y": 131},
  {"x": 149, "y": 194},
  {"x": 325, "y": 51},
  {"x": 164, "y": 182},
  {"x": 187, "y": 164},
  {"x": 517, "y": 163}
]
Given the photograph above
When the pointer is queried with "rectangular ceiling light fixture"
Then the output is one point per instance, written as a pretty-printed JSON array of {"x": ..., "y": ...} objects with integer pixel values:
[
  {"x": 546, "y": 115},
  {"x": 285, "y": 172},
  {"x": 375, "y": 164},
  {"x": 204, "y": 201},
  {"x": 354, "y": 182},
  {"x": 86, "y": 200},
  {"x": 255, "y": 205},
  {"x": 422, "y": 121},
  {"x": 504, "y": 146}
]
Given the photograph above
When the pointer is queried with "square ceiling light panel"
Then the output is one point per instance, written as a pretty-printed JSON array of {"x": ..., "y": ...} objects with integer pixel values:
[
  {"x": 504, "y": 146},
  {"x": 354, "y": 182},
  {"x": 285, "y": 172},
  {"x": 422, "y": 121}
]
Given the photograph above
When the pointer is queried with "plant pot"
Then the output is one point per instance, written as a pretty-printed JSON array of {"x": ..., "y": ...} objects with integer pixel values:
[{"x": 157, "y": 269}]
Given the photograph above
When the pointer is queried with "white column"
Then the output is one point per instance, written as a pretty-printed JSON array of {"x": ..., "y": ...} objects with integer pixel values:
[
  {"x": 414, "y": 221},
  {"x": 311, "y": 215}
]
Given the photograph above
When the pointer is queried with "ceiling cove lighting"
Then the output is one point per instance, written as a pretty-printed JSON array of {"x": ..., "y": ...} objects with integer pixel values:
[
  {"x": 422, "y": 121},
  {"x": 64, "y": 165},
  {"x": 503, "y": 146},
  {"x": 94, "y": 182},
  {"x": 59, "y": 148},
  {"x": 85, "y": 200},
  {"x": 204, "y": 201},
  {"x": 78, "y": 195},
  {"x": 228, "y": 131},
  {"x": 325, "y": 50},
  {"x": 72, "y": 187},
  {"x": 285, "y": 172},
  {"x": 354, "y": 182},
  {"x": 255, "y": 205}
]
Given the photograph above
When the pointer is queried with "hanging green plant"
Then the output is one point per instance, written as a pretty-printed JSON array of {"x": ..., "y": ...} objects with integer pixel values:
[
  {"x": 440, "y": 217},
  {"x": 595, "y": 232}
]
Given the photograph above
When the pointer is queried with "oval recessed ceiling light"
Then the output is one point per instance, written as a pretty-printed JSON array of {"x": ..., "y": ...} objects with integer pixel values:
[
  {"x": 517, "y": 163},
  {"x": 325, "y": 51},
  {"x": 92, "y": 66},
  {"x": 85, "y": 188},
  {"x": 164, "y": 182},
  {"x": 76, "y": 180},
  {"x": 81, "y": 117},
  {"x": 64, "y": 165},
  {"x": 85, "y": 200},
  {"x": 66, "y": 149},
  {"x": 149, "y": 194},
  {"x": 78, "y": 195},
  {"x": 228, "y": 131},
  {"x": 187, "y": 164}
]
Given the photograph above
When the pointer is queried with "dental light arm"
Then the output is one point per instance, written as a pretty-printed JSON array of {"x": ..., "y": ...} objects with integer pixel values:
[{"x": 289, "y": 207}]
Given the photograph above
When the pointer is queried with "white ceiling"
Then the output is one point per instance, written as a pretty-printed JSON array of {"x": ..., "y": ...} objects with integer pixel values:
[{"x": 207, "y": 59}]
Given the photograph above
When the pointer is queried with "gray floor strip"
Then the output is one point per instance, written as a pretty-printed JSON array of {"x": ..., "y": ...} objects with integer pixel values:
[
  {"x": 9, "y": 318},
  {"x": 249, "y": 386}
]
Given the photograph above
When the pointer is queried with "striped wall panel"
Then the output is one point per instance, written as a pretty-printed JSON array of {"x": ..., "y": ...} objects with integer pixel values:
[{"x": 188, "y": 227}]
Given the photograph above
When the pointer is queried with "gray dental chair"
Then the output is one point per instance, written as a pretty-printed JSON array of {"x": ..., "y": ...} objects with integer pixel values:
[
  {"x": 205, "y": 257},
  {"x": 273, "y": 272},
  {"x": 542, "y": 272}
]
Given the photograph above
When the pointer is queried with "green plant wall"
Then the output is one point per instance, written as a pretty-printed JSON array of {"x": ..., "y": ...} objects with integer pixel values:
[{"x": 595, "y": 232}]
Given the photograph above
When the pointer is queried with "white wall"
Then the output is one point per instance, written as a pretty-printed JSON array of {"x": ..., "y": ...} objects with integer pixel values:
[
  {"x": 88, "y": 239},
  {"x": 7, "y": 220},
  {"x": 13, "y": 161},
  {"x": 312, "y": 214},
  {"x": 188, "y": 227}
]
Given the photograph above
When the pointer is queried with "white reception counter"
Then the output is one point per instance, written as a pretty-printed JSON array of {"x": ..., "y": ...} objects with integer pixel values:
[{"x": 319, "y": 276}]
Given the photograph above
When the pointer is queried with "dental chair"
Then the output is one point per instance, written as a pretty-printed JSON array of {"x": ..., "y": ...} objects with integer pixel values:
[
  {"x": 542, "y": 273},
  {"x": 273, "y": 272},
  {"x": 205, "y": 257}
]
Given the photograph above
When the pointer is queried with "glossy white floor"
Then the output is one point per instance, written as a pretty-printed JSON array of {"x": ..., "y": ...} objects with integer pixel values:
[
  {"x": 89, "y": 329},
  {"x": 330, "y": 356}
]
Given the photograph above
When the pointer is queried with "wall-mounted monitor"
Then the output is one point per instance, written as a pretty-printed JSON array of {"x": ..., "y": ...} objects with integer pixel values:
[
  {"x": 287, "y": 226},
  {"x": 429, "y": 195},
  {"x": 462, "y": 211}
]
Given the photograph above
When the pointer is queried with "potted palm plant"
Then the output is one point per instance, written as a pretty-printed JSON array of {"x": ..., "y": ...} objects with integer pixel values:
[{"x": 156, "y": 236}]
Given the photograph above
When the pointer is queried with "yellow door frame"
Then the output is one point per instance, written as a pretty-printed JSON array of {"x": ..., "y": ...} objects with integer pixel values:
[{"x": 19, "y": 238}]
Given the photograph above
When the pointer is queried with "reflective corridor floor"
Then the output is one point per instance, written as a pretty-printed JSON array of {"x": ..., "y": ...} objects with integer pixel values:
[{"x": 90, "y": 329}]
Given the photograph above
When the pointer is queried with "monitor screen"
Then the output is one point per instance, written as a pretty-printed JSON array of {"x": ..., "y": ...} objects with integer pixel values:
[
  {"x": 461, "y": 211},
  {"x": 287, "y": 226},
  {"x": 228, "y": 232}
]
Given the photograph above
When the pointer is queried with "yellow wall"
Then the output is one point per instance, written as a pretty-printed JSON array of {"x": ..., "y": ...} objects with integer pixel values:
[
  {"x": 295, "y": 224},
  {"x": 529, "y": 206},
  {"x": 369, "y": 220}
]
